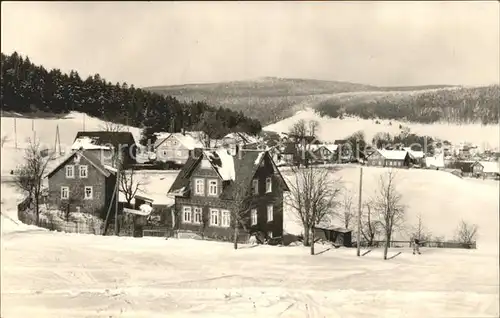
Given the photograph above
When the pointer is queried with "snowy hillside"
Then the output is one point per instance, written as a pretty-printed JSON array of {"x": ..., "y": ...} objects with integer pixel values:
[
  {"x": 45, "y": 133},
  {"x": 334, "y": 128},
  {"x": 441, "y": 198}
]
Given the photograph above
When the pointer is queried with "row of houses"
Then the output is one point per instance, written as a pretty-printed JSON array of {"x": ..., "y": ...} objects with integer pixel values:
[{"x": 203, "y": 198}]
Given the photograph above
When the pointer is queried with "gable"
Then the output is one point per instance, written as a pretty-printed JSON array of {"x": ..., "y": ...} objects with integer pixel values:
[{"x": 86, "y": 157}]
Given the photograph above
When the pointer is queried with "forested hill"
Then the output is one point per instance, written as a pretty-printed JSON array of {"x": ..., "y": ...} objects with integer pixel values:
[
  {"x": 29, "y": 88},
  {"x": 271, "y": 99}
]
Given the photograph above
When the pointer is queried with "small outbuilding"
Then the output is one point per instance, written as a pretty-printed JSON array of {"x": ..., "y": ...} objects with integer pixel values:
[{"x": 336, "y": 235}]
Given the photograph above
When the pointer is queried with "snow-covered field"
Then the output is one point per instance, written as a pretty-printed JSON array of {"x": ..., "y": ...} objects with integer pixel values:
[
  {"x": 334, "y": 128},
  {"x": 46, "y": 274}
]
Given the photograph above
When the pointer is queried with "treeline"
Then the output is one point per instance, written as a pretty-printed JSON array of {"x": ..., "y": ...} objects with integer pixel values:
[
  {"x": 29, "y": 88},
  {"x": 459, "y": 105}
]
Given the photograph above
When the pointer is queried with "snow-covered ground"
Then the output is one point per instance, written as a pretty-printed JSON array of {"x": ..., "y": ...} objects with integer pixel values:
[
  {"x": 485, "y": 137},
  {"x": 47, "y": 274},
  {"x": 61, "y": 275}
]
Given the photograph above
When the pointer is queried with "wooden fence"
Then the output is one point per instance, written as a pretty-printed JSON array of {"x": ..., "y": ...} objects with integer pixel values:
[{"x": 435, "y": 244}]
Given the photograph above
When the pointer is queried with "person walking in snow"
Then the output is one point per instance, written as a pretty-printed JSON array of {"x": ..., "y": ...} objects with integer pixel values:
[{"x": 416, "y": 245}]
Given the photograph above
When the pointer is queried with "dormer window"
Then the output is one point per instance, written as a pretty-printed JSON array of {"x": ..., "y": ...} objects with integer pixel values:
[{"x": 255, "y": 186}]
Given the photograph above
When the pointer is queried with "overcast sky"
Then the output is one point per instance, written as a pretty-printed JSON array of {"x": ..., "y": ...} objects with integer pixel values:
[{"x": 167, "y": 43}]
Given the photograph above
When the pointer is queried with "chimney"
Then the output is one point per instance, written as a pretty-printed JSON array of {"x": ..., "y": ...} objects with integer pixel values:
[{"x": 197, "y": 152}]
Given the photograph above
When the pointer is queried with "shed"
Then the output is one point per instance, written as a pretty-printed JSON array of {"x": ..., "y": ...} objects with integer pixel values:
[{"x": 336, "y": 235}]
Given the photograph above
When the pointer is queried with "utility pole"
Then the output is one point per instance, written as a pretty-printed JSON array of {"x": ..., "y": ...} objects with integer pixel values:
[
  {"x": 117, "y": 196},
  {"x": 83, "y": 121},
  {"x": 15, "y": 131},
  {"x": 358, "y": 235}
]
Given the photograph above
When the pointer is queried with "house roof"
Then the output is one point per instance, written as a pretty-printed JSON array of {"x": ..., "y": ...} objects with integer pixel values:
[
  {"x": 88, "y": 143},
  {"x": 415, "y": 154},
  {"x": 93, "y": 160},
  {"x": 186, "y": 140},
  {"x": 489, "y": 166},
  {"x": 242, "y": 137},
  {"x": 237, "y": 171},
  {"x": 106, "y": 138},
  {"x": 393, "y": 154},
  {"x": 332, "y": 228}
]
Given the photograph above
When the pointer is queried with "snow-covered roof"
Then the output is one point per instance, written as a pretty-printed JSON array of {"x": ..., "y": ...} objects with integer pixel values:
[
  {"x": 144, "y": 210},
  {"x": 417, "y": 154},
  {"x": 242, "y": 137},
  {"x": 87, "y": 143},
  {"x": 490, "y": 166},
  {"x": 259, "y": 158},
  {"x": 186, "y": 140},
  {"x": 223, "y": 162},
  {"x": 393, "y": 154},
  {"x": 110, "y": 168}
]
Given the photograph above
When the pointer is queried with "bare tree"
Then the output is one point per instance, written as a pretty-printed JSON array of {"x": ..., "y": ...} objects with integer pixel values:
[
  {"x": 313, "y": 127},
  {"x": 29, "y": 177},
  {"x": 313, "y": 198},
  {"x": 130, "y": 183},
  {"x": 4, "y": 140},
  {"x": 466, "y": 233},
  {"x": 388, "y": 204},
  {"x": 420, "y": 232},
  {"x": 370, "y": 226},
  {"x": 347, "y": 214},
  {"x": 240, "y": 211},
  {"x": 299, "y": 129}
]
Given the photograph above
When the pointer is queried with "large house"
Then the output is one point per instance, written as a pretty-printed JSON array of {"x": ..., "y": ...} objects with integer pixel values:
[
  {"x": 81, "y": 183},
  {"x": 175, "y": 147},
  {"x": 417, "y": 156},
  {"x": 107, "y": 146},
  {"x": 389, "y": 158},
  {"x": 213, "y": 185}
]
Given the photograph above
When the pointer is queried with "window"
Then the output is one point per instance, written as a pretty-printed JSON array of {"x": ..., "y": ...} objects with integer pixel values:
[
  {"x": 165, "y": 153},
  {"x": 269, "y": 213},
  {"x": 253, "y": 216},
  {"x": 212, "y": 187},
  {"x": 225, "y": 218},
  {"x": 186, "y": 214},
  {"x": 178, "y": 153},
  {"x": 88, "y": 193},
  {"x": 269, "y": 185},
  {"x": 199, "y": 187},
  {"x": 214, "y": 217},
  {"x": 64, "y": 193},
  {"x": 197, "y": 215},
  {"x": 70, "y": 171},
  {"x": 255, "y": 186},
  {"x": 83, "y": 171},
  {"x": 270, "y": 234}
]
